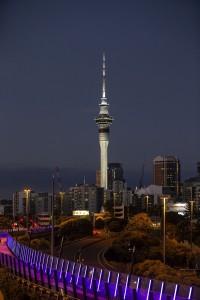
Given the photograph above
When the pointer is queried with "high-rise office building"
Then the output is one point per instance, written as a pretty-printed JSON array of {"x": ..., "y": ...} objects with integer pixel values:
[
  {"x": 191, "y": 190},
  {"x": 166, "y": 173},
  {"x": 115, "y": 173},
  {"x": 104, "y": 120},
  {"x": 86, "y": 197},
  {"x": 198, "y": 168}
]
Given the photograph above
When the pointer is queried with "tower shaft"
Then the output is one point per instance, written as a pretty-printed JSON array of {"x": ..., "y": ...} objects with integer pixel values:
[{"x": 104, "y": 120}]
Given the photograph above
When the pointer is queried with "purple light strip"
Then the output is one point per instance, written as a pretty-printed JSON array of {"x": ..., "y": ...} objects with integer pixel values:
[
  {"x": 47, "y": 261},
  {"x": 43, "y": 260},
  {"x": 72, "y": 273},
  {"x": 126, "y": 285},
  {"x": 149, "y": 287},
  {"x": 66, "y": 271},
  {"x": 51, "y": 265},
  {"x": 86, "y": 267},
  {"x": 109, "y": 273},
  {"x": 175, "y": 291},
  {"x": 28, "y": 254},
  {"x": 138, "y": 282},
  {"x": 61, "y": 269},
  {"x": 116, "y": 285},
  {"x": 57, "y": 263},
  {"x": 79, "y": 269},
  {"x": 190, "y": 293},
  {"x": 91, "y": 278},
  {"x": 99, "y": 280},
  {"x": 31, "y": 257},
  {"x": 39, "y": 260},
  {"x": 161, "y": 290},
  {"x": 33, "y": 262}
]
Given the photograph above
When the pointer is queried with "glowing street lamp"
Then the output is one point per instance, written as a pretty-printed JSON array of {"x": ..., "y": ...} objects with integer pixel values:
[
  {"x": 61, "y": 204},
  {"x": 147, "y": 203},
  {"x": 27, "y": 192},
  {"x": 52, "y": 215},
  {"x": 164, "y": 198}
]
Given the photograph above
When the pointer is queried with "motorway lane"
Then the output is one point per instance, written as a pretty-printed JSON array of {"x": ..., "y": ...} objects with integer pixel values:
[
  {"x": 94, "y": 253},
  {"x": 72, "y": 249}
]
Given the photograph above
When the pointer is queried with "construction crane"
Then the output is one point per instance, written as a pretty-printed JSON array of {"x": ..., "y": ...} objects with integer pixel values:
[
  {"x": 59, "y": 180},
  {"x": 142, "y": 175},
  {"x": 60, "y": 191}
]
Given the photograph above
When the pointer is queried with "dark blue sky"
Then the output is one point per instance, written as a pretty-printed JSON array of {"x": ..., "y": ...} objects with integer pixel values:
[{"x": 51, "y": 75}]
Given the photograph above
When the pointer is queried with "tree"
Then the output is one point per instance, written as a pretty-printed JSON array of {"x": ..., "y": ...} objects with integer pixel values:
[
  {"x": 182, "y": 231},
  {"x": 174, "y": 218},
  {"x": 69, "y": 228},
  {"x": 157, "y": 270},
  {"x": 140, "y": 222},
  {"x": 116, "y": 225},
  {"x": 65, "y": 218},
  {"x": 9, "y": 287},
  {"x": 99, "y": 223},
  {"x": 40, "y": 245},
  {"x": 84, "y": 226},
  {"x": 5, "y": 223},
  {"x": 108, "y": 208},
  {"x": 74, "y": 228}
]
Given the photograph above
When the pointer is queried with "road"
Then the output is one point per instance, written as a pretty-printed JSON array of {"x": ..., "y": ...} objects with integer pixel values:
[
  {"x": 93, "y": 255},
  {"x": 72, "y": 250},
  {"x": 89, "y": 251}
]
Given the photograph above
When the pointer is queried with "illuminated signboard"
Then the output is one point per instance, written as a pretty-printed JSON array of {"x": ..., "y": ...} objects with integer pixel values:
[{"x": 80, "y": 213}]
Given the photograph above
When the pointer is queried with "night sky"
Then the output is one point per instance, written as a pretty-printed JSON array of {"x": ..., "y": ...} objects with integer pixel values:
[{"x": 51, "y": 80}]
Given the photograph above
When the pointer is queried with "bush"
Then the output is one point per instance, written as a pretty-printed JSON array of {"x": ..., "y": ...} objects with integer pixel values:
[
  {"x": 157, "y": 270},
  {"x": 75, "y": 228},
  {"x": 99, "y": 223},
  {"x": 40, "y": 245},
  {"x": 84, "y": 226},
  {"x": 115, "y": 224},
  {"x": 9, "y": 287}
]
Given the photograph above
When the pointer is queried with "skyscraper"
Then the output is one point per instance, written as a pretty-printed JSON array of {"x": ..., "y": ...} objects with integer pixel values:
[
  {"x": 104, "y": 120},
  {"x": 115, "y": 173},
  {"x": 166, "y": 173}
]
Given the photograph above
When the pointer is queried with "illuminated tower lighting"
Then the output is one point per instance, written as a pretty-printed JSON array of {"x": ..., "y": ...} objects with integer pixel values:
[{"x": 104, "y": 120}]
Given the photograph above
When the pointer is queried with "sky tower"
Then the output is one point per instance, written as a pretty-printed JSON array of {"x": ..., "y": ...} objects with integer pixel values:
[{"x": 104, "y": 120}]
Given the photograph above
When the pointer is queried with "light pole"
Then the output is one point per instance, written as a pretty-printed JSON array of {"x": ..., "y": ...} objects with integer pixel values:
[
  {"x": 61, "y": 202},
  {"x": 191, "y": 218},
  {"x": 27, "y": 192},
  {"x": 147, "y": 203},
  {"x": 132, "y": 250},
  {"x": 164, "y": 221},
  {"x": 52, "y": 214}
]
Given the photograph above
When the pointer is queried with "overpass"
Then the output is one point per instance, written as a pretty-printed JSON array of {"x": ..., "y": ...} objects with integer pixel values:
[{"x": 73, "y": 279}]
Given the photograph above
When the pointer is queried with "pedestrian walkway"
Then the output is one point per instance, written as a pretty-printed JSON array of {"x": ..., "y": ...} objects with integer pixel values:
[
  {"x": 3, "y": 246},
  {"x": 4, "y": 249}
]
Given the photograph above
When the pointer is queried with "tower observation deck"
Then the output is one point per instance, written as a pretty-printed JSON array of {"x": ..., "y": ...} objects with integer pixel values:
[{"x": 104, "y": 120}]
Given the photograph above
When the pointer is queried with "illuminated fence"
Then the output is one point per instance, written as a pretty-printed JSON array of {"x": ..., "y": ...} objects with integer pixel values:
[{"x": 86, "y": 282}]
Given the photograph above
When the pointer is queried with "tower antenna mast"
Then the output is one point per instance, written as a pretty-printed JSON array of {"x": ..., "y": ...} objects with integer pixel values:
[{"x": 103, "y": 121}]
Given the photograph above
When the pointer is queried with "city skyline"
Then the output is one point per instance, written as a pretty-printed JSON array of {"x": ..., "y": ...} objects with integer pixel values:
[{"x": 51, "y": 62}]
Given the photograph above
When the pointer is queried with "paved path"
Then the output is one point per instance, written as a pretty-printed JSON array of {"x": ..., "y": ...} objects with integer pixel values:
[
  {"x": 4, "y": 249},
  {"x": 3, "y": 246}
]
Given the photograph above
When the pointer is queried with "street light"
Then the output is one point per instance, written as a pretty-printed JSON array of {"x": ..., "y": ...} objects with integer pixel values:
[
  {"x": 191, "y": 218},
  {"x": 147, "y": 203},
  {"x": 52, "y": 214},
  {"x": 27, "y": 192},
  {"x": 132, "y": 250},
  {"x": 61, "y": 200},
  {"x": 164, "y": 233}
]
